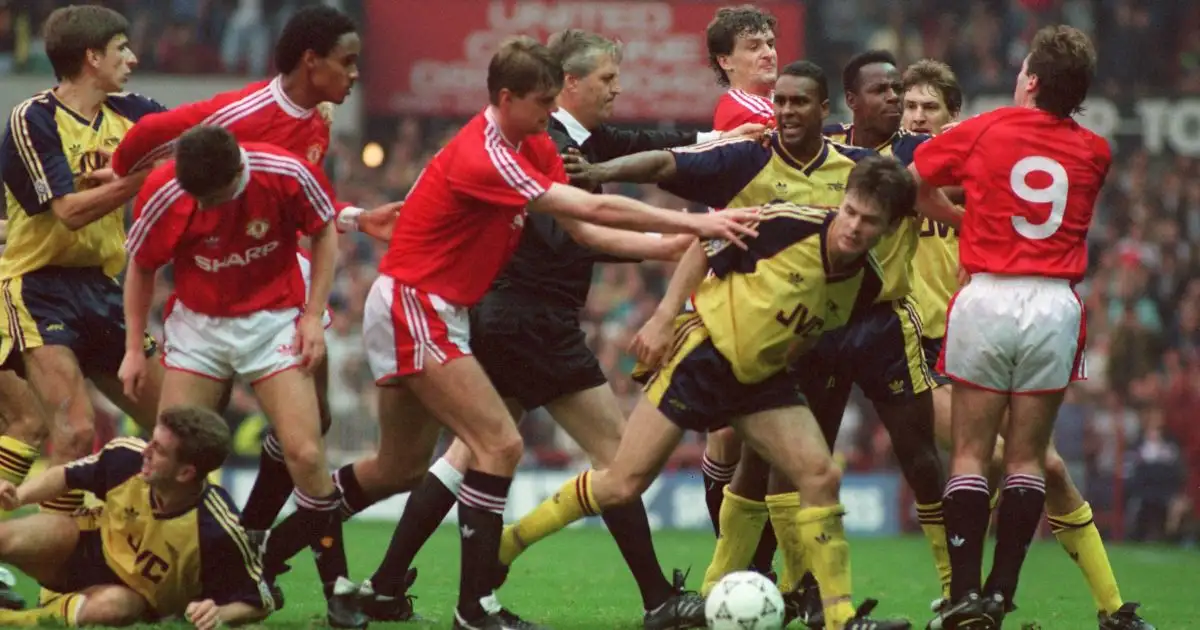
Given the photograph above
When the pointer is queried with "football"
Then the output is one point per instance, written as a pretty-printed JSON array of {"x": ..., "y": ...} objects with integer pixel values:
[{"x": 744, "y": 600}]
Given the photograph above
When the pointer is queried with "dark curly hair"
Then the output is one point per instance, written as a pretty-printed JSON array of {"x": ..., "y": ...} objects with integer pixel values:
[{"x": 727, "y": 25}]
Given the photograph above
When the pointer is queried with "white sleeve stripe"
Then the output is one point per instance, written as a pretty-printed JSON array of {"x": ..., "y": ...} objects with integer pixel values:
[
  {"x": 223, "y": 117},
  {"x": 508, "y": 167},
  {"x": 281, "y": 165},
  {"x": 155, "y": 208},
  {"x": 752, "y": 102},
  {"x": 239, "y": 109}
]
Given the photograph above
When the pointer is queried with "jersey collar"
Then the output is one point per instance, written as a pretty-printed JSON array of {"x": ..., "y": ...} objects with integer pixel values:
[
  {"x": 494, "y": 122},
  {"x": 808, "y": 169},
  {"x": 574, "y": 128},
  {"x": 878, "y": 149},
  {"x": 285, "y": 103},
  {"x": 244, "y": 179}
]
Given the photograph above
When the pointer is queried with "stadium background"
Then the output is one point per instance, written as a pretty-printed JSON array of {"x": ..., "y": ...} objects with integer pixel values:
[{"x": 1128, "y": 433}]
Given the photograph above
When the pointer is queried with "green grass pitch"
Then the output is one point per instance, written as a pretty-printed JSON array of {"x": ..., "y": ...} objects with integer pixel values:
[{"x": 576, "y": 580}]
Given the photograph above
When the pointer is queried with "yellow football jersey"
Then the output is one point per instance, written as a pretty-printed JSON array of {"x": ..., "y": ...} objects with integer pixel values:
[
  {"x": 742, "y": 173},
  {"x": 46, "y": 151},
  {"x": 936, "y": 267},
  {"x": 766, "y": 305},
  {"x": 171, "y": 559},
  {"x": 896, "y": 250}
]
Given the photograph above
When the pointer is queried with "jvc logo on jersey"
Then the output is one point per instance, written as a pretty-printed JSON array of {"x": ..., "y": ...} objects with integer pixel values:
[
  {"x": 806, "y": 324},
  {"x": 236, "y": 259}
]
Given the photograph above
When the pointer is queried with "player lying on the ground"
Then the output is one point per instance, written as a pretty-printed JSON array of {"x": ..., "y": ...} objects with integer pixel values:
[
  {"x": 226, "y": 216},
  {"x": 808, "y": 271},
  {"x": 165, "y": 542}
]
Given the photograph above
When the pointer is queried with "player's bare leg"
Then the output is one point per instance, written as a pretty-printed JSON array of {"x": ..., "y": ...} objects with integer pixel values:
[
  {"x": 143, "y": 409},
  {"x": 792, "y": 442},
  {"x": 742, "y": 522},
  {"x": 103, "y": 605},
  {"x": 289, "y": 400},
  {"x": 39, "y": 544},
  {"x": 459, "y": 394},
  {"x": 55, "y": 375}
]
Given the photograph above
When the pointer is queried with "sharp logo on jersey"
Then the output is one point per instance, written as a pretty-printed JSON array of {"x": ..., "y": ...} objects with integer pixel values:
[
  {"x": 237, "y": 259},
  {"x": 257, "y": 228}
]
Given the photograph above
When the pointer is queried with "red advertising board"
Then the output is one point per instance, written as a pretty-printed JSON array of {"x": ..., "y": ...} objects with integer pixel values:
[{"x": 430, "y": 56}]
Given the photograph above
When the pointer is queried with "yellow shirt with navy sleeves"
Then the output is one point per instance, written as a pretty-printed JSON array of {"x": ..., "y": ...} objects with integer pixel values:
[
  {"x": 741, "y": 173},
  {"x": 766, "y": 305},
  {"x": 170, "y": 559},
  {"x": 897, "y": 250},
  {"x": 45, "y": 153}
]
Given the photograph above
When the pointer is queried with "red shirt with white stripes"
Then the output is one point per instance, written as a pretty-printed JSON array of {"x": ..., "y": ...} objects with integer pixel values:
[
  {"x": 259, "y": 112},
  {"x": 738, "y": 107},
  {"x": 463, "y": 217},
  {"x": 239, "y": 257}
]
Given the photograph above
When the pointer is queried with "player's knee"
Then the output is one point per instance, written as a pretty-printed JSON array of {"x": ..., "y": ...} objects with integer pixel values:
[
  {"x": 31, "y": 428},
  {"x": 111, "y": 606},
  {"x": 505, "y": 451},
  {"x": 73, "y": 440},
  {"x": 305, "y": 457},
  {"x": 819, "y": 481},
  {"x": 628, "y": 487},
  {"x": 1057, "y": 474}
]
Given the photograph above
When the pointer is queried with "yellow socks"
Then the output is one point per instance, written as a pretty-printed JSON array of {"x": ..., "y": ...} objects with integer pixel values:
[
  {"x": 934, "y": 526},
  {"x": 783, "y": 510},
  {"x": 1078, "y": 534},
  {"x": 742, "y": 521},
  {"x": 828, "y": 554},
  {"x": 59, "y": 611},
  {"x": 573, "y": 501}
]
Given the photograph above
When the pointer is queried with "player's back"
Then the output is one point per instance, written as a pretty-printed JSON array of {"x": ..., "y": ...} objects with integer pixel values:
[
  {"x": 258, "y": 112},
  {"x": 1031, "y": 181},
  {"x": 238, "y": 257},
  {"x": 738, "y": 107},
  {"x": 463, "y": 217},
  {"x": 765, "y": 304},
  {"x": 47, "y": 151}
]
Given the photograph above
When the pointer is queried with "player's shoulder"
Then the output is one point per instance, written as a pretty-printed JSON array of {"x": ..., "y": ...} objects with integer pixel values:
[
  {"x": 133, "y": 106},
  {"x": 219, "y": 516},
  {"x": 837, "y": 131},
  {"x": 737, "y": 145},
  {"x": 125, "y": 444},
  {"x": 816, "y": 216},
  {"x": 850, "y": 152},
  {"x": 160, "y": 176},
  {"x": 37, "y": 109}
]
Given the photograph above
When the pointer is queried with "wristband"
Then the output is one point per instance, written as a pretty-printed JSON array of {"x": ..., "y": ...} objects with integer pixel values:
[{"x": 347, "y": 219}]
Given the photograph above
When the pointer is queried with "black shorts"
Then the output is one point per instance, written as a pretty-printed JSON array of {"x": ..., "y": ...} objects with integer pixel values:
[
  {"x": 533, "y": 353},
  {"x": 86, "y": 567},
  {"x": 77, "y": 307},
  {"x": 696, "y": 388},
  {"x": 933, "y": 350}
]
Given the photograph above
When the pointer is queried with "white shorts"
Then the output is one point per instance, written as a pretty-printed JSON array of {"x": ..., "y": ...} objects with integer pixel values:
[
  {"x": 1015, "y": 334},
  {"x": 306, "y": 273},
  {"x": 253, "y": 347},
  {"x": 403, "y": 326}
]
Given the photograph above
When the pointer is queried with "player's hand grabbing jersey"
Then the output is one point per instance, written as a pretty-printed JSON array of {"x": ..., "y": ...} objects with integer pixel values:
[
  {"x": 240, "y": 257},
  {"x": 169, "y": 559}
]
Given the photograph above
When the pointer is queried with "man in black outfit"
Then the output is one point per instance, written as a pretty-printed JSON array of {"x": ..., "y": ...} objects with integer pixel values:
[{"x": 526, "y": 333}]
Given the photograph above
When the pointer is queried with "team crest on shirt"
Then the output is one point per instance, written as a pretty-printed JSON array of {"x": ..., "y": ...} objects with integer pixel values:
[
  {"x": 257, "y": 228},
  {"x": 314, "y": 154}
]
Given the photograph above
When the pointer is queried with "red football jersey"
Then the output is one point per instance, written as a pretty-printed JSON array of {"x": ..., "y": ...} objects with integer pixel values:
[
  {"x": 259, "y": 112},
  {"x": 463, "y": 217},
  {"x": 738, "y": 107},
  {"x": 1031, "y": 180},
  {"x": 239, "y": 257}
]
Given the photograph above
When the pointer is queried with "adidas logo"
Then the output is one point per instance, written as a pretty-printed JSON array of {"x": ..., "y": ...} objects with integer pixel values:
[
  {"x": 958, "y": 541},
  {"x": 824, "y": 538},
  {"x": 467, "y": 532}
]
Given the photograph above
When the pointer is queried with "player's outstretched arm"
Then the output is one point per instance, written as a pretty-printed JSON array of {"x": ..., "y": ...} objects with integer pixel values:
[
  {"x": 629, "y": 214},
  {"x": 639, "y": 168},
  {"x": 48, "y": 485},
  {"x": 627, "y": 244},
  {"x": 79, "y": 209},
  {"x": 933, "y": 203}
]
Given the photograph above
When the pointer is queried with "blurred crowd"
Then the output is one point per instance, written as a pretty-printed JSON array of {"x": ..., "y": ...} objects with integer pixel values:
[{"x": 1128, "y": 432}]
